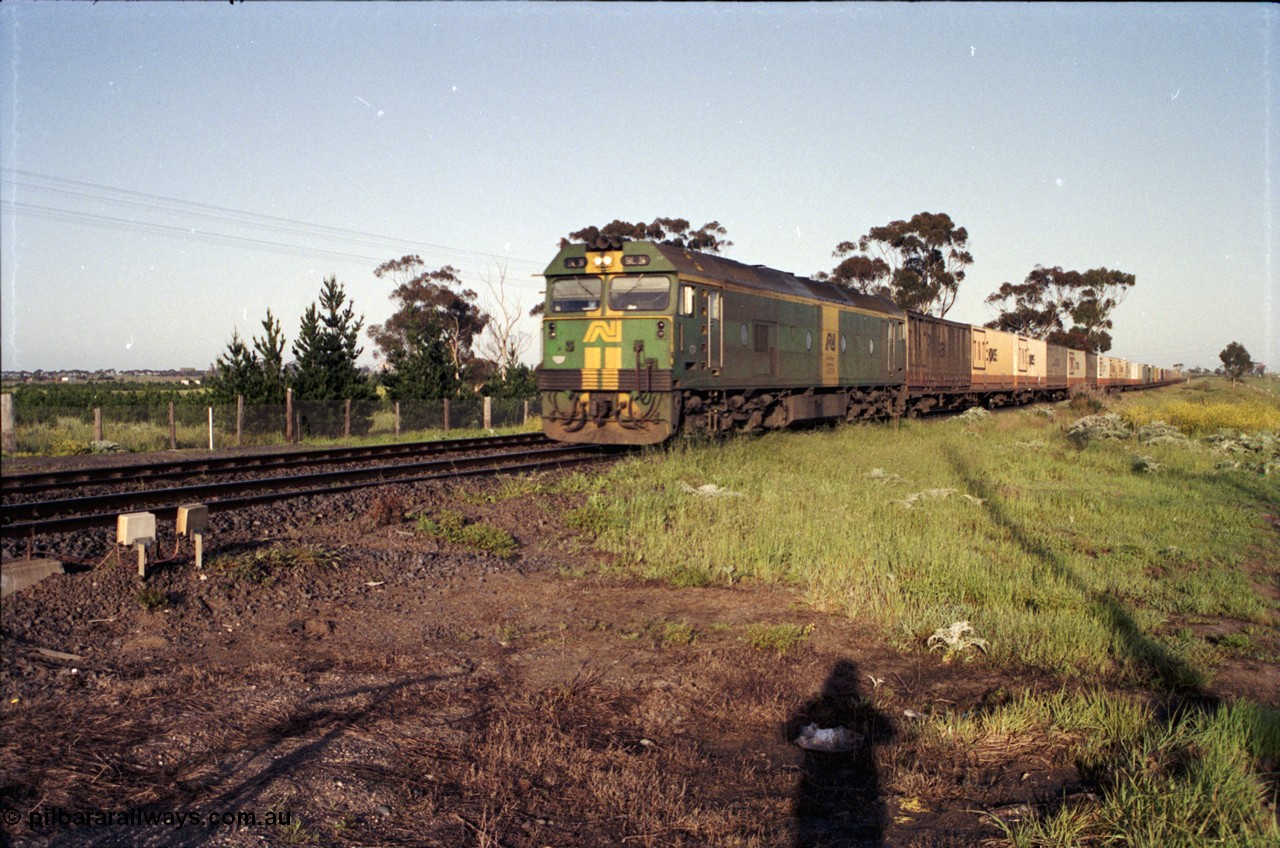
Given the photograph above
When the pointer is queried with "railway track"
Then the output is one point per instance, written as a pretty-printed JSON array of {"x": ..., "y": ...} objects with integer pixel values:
[
  {"x": 22, "y": 485},
  {"x": 530, "y": 452}
]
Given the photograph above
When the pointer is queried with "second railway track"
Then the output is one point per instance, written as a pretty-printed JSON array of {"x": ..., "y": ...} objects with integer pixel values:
[
  {"x": 25, "y": 484},
  {"x": 529, "y": 452}
]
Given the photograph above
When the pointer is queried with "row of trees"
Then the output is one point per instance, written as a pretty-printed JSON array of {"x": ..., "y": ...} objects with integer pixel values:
[
  {"x": 439, "y": 343},
  {"x": 920, "y": 263}
]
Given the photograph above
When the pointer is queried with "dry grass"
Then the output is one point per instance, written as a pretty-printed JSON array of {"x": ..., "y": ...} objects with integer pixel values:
[{"x": 1201, "y": 418}]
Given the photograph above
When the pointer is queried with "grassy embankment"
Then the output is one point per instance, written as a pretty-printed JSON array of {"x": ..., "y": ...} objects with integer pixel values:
[{"x": 1089, "y": 558}]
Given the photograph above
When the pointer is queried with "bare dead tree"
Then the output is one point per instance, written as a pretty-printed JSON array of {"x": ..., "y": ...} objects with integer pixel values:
[{"x": 503, "y": 341}]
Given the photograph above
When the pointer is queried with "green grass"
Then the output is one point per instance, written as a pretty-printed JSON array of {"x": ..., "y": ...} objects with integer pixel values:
[
  {"x": 264, "y": 566},
  {"x": 152, "y": 599},
  {"x": 451, "y": 526},
  {"x": 667, "y": 633},
  {"x": 778, "y": 638},
  {"x": 1188, "y": 780},
  {"x": 1063, "y": 558},
  {"x": 66, "y": 435}
]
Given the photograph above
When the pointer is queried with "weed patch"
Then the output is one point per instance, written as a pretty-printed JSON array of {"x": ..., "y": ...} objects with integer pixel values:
[
  {"x": 152, "y": 599},
  {"x": 955, "y": 640},
  {"x": 450, "y": 526},
  {"x": 666, "y": 633},
  {"x": 1203, "y": 417},
  {"x": 264, "y": 565},
  {"x": 778, "y": 638},
  {"x": 1093, "y": 428}
]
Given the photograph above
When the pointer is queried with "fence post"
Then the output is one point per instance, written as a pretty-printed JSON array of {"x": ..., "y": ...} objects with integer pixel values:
[
  {"x": 97, "y": 423},
  {"x": 346, "y": 424},
  {"x": 526, "y": 413},
  {"x": 288, "y": 415},
  {"x": 239, "y": 418},
  {"x": 446, "y": 415},
  {"x": 173, "y": 428},
  {"x": 211, "y": 428},
  {"x": 488, "y": 413},
  {"x": 8, "y": 437},
  {"x": 397, "y": 419}
]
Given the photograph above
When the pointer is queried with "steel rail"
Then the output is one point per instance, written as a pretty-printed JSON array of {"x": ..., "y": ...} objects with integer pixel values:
[
  {"x": 38, "y": 481},
  {"x": 184, "y": 494},
  {"x": 338, "y": 482}
]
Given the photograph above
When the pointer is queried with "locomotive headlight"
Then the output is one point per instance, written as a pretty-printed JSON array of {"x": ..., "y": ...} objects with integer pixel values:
[
  {"x": 551, "y": 330},
  {"x": 604, "y": 261},
  {"x": 662, "y": 329}
]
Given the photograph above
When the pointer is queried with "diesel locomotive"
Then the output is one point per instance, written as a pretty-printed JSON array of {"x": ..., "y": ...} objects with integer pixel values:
[{"x": 642, "y": 339}]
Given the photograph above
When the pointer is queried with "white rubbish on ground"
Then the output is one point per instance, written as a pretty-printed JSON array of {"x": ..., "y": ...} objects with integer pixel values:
[
  {"x": 710, "y": 490},
  {"x": 935, "y": 494},
  {"x": 958, "y": 637},
  {"x": 830, "y": 740}
]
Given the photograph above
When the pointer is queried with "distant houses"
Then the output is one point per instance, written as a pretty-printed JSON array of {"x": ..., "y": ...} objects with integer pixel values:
[{"x": 183, "y": 376}]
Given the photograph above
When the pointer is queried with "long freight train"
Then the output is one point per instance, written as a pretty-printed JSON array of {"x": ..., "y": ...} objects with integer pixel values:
[{"x": 642, "y": 339}]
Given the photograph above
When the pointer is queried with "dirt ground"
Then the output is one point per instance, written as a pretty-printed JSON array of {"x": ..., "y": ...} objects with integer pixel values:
[{"x": 418, "y": 693}]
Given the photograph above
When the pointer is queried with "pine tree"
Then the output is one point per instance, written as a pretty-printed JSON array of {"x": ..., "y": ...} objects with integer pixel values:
[
  {"x": 237, "y": 372},
  {"x": 257, "y": 375},
  {"x": 326, "y": 349},
  {"x": 270, "y": 350}
]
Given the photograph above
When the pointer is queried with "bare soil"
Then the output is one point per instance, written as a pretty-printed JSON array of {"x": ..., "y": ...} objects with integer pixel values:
[{"x": 417, "y": 693}]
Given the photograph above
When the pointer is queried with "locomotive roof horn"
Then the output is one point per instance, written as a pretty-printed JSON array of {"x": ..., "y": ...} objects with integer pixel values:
[{"x": 607, "y": 243}]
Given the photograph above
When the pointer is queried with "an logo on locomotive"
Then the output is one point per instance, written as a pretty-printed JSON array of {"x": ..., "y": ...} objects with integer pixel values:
[{"x": 604, "y": 331}]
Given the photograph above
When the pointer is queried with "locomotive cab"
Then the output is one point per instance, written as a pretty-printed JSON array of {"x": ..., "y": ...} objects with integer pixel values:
[{"x": 606, "y": 344}]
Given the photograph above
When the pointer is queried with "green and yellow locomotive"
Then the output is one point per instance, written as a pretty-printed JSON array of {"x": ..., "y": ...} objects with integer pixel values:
[{"x": 642, "y": 339}]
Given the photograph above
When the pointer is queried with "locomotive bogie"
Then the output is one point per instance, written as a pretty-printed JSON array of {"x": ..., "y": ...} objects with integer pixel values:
[{"x": 609, "y": 417}]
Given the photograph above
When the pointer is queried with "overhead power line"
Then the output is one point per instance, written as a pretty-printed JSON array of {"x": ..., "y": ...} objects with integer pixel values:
[
  {"x": 172, "y": 206},
  {"x": 68, "y": 216}
]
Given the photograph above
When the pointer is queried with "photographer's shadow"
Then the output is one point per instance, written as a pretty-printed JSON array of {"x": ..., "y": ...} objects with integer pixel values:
[{"x": 838, "y": 800}]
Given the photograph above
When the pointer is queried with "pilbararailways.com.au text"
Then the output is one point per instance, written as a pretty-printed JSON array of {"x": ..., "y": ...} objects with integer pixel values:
[{"x": 56, "y": 817}]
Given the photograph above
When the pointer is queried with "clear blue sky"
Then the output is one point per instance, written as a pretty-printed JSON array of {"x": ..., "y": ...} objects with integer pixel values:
[{"x": 171, "y": 171}]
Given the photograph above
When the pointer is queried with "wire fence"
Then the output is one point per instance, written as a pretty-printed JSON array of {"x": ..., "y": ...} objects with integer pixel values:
[{"x": 56, "y": 430}]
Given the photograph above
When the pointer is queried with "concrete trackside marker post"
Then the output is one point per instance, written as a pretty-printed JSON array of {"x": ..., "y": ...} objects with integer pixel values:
[
  {"x": 397, "y": 419},
  {"x": 488, "y": 413},
  {"x": 8, "y": 438},
  {"x": 97, "y": 423},
  {"x": 192, "y": 521},
  {"x": 137, "y": 529},
  {"x": 211, "y": 428},
  {"x": 288, "y": 415},
  {"x": 16, "y": 575},
  {"x": 173, "y": 428}
]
